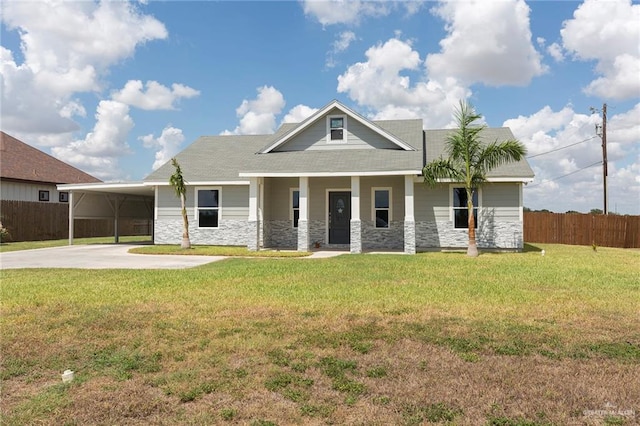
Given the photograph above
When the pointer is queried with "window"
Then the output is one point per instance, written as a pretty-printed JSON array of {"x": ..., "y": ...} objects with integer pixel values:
[
  {"x": 381, "y": 207},
  {"x": 460, "y": 212},
  {"x": 208, "y": 208},
  {"x": 63, "y": 197},
  {"x": 337, "y": 129},
  {"x": 43, "y": 195},
  {"x": 295, "y": 206}
]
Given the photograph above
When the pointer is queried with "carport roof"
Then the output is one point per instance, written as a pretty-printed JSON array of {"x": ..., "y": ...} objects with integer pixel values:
[{"x": 121, "y": 188}]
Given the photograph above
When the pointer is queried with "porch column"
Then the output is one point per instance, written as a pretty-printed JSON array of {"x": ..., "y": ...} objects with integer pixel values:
[
  {"x": 409, "y": 219},
  {"x": 356, "y": 223},
  {"x": 261, "y": 214},
  {"x": 252, "y": 222},
  {"x": 71, "y": 217},
  {"x": 116, "y": 216},
  {"x": 303, "y": 220}
]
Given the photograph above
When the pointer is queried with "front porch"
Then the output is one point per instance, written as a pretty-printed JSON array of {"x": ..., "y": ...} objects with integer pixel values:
[{"x": 353, "y": 213}]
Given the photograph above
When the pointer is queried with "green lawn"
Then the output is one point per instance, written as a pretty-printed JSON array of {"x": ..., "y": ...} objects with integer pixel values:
[{"x": 504, "y": 339}]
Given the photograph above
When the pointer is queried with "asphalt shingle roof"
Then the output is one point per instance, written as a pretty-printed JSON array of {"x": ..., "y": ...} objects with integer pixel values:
[
  {"x": 435, "y": 141},
  {"x": 20, "y": 161},
  {"x": 223, "y": 158}
]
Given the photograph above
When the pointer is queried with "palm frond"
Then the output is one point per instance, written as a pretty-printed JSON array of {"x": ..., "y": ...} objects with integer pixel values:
[
  {"x": 498, "y": 153},
  {"x": 440, "y": 169}
]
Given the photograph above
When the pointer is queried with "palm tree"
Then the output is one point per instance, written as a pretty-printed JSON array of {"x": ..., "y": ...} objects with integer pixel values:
[
  {"x": 470, "y": 160},
  {"x": 179, "y": 185}
]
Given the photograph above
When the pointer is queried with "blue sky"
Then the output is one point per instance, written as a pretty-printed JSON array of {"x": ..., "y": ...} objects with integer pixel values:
[{"x": 118, "y": 88}]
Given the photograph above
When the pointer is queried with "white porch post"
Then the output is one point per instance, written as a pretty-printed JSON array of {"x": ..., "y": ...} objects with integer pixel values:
[
  {"x": 116, "y": 216},
  {"x": 409, "y": 218},
  {"x": 71, "y": 217},
  {"x": 356, "y": 223},
  {"x": 252, "y": 226},
  {"x": 261, "y": 213},
  {"x": 303, "y": 220}
]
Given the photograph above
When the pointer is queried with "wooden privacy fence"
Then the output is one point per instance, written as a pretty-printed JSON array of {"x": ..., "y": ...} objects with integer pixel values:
[
  {"x": 582, "y": 229},
  {"x": 36, "y": 221}
]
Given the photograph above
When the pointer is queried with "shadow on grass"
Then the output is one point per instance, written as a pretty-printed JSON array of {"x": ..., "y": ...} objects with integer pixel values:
[{"x": 528, "y": 248}]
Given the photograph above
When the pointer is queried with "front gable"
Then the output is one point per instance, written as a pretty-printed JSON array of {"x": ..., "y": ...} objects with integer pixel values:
[{"x": 335, "y": 127}]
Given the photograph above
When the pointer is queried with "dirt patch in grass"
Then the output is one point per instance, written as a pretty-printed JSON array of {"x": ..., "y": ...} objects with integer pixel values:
[{"x": 334, "y": 385}]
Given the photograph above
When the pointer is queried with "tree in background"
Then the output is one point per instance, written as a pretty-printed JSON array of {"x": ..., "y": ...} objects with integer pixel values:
[
  {"x": 179, "y": 185},
  {"x": 470, "y": 161}
]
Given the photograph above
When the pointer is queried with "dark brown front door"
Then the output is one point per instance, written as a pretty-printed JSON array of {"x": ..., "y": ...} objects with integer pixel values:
[{"x": 339, "y": 217}]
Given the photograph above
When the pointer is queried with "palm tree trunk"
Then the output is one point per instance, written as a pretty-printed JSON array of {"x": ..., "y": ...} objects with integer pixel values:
[
  {"x": 186, "y": 242},
  {"x": 472, "y": 249}
]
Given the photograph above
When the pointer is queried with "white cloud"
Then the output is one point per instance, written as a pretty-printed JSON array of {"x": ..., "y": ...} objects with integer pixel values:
[
  {"x": 380, "y": 85},
  {"x": 607, "y": 32},
  {"x": 555, "y": 50},
  {"x": 344, "y": 12},
  {"x": 487, "y": 42},
  {"x": 548, "y": 130},
  {"x": 156, "y": 96},
  {"x": 352, "y": 12},
  {"x": 342, "y": 43},
  {"x": 258, "y": 116},
  {"x": 98, "y": 152},
  {"x": 67, "y": 48},
  {"x": 67, "y": 36},
  {"x": 298, "y": 114},
  {"x": 473, "y": 52},
  {"x": 167, "y": 144}
]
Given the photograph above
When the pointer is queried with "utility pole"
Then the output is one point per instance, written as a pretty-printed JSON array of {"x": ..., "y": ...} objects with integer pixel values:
[{"x": 602, "y": 132}]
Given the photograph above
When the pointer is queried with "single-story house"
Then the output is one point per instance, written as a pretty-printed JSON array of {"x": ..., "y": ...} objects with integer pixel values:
[{"x": 335, "y": 180}]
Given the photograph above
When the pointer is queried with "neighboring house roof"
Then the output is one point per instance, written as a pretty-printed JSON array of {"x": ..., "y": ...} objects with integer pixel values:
[{"x": 20, "y": 161}]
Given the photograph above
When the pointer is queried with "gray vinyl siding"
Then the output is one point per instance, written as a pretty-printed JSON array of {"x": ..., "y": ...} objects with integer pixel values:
[
  {"x": 22, "y": 191},
  {"x": 168, "y": 205},
  {"x": 234, "y": 203},
  {"x": 501, "y": 201},
  {"x": 431, "y": 204},
  {"x": 358, "y": 137},
  {"x": 276, "y": 197}
]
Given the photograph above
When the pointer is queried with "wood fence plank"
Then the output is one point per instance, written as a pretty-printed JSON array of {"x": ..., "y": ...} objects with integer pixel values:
[{"x": 582, "y": 229}]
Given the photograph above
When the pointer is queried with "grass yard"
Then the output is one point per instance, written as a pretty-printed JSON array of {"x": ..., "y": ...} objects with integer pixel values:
[{"x": 436, "y": 338}]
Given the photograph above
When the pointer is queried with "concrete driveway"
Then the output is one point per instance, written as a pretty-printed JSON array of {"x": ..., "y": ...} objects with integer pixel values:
[{"x": 98, "y": 256}]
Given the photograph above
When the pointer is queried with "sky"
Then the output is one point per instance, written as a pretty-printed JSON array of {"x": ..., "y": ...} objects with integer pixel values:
[{"x": 118, "y": 88}]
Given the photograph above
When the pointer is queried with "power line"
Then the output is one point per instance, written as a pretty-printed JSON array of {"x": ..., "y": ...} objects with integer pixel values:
[
  {"x": 597, "y": 163},
  {"x": 563, "y": 147}
]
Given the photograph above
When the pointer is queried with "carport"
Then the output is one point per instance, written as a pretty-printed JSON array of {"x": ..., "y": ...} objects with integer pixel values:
[{"x": 111, "y": 201}]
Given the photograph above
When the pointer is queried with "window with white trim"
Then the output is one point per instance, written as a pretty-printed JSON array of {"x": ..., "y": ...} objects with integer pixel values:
[
  {"x": 295, "y": 206},
  {"x": 381, "y": 205},
  {"x": 336, "y": 129},
  {"x": 208, "y": 207},
  {"x": 460, "y": 210}
]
